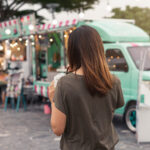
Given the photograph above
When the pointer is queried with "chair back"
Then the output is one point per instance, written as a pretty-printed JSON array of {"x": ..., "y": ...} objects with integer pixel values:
[{"x": 14, "y": 84}]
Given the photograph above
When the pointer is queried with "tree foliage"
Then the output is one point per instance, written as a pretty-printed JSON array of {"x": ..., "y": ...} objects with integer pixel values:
[
  {"x": 12, "y": 8},
  {"x": 140, "y": 15}
]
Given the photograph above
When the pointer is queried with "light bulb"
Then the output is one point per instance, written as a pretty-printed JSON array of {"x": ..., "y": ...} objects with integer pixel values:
[
  {"x": 40, "y": 36},
  {"x": 65, "y": 35},
  {"x": 31, "y": 36},
  {"x": 15, "y": 44},
  {"x": 81, "y": 15},
  {"x": 31, "y": 27},
  {"x": 51, "y": 40},
  {"x": 54, "y": 22},
  {"x": 8, "y": 53},
  {"x": 18, "y": 48},
  {"x": 7, "y": 41},
  {"x": 1, "y": 48},
  {"x": 20, "y": 39},
  {"x": 8, "y": 31}
]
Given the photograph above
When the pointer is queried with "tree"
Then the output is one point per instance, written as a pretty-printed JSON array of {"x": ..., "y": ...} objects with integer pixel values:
[
  {"x": 140, "y": 15},
  {"x": 12, "y": 8}
]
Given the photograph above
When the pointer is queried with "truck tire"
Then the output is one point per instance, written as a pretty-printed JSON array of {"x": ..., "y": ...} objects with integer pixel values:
[{"x": 130, "y": 118}]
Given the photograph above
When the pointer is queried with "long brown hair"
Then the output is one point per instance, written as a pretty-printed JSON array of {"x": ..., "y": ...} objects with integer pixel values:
[{"x": 85, "y": 49}]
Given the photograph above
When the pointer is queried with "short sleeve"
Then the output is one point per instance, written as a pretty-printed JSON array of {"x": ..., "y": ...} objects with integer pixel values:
[
  {"x": 120, "y": 99},
  {"x": 59, "y": 98}
]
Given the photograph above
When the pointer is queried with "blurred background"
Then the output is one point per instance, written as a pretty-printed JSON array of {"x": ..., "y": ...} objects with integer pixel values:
[{"x": 33, "y": 44}]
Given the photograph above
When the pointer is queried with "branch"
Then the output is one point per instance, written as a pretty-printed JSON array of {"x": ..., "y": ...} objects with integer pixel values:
[
  {"x": 6, "y": 3},
  {"x": 39, "y": 9},
  {"x": 14, "y": 2},
  {"x": 15, "y": 5},
  {"x": 19, "y": 6}
]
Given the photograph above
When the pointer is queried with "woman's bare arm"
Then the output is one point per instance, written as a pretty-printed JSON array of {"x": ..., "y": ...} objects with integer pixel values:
[{"x": 58, "y": 118}]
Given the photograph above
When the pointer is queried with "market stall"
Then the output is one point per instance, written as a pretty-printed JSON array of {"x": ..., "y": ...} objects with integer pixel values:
[
  {"x": 15, "y": 46},
  {"x": 50, "y": 53}
]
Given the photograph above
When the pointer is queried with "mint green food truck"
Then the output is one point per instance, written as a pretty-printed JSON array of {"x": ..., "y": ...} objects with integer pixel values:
[{"x": 123, "y": 43}]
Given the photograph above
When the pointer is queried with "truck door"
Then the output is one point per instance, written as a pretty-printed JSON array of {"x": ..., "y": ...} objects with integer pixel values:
[{"x": 118, "y": 65}]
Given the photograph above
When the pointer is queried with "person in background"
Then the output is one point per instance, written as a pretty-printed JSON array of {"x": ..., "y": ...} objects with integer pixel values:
[{"x": 84, "y": 101}]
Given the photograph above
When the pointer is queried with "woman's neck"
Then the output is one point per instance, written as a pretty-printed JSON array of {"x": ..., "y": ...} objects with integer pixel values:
[{"x": 79, "y": 71}]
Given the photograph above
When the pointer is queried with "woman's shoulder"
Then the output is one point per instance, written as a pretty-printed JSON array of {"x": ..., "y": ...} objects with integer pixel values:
[
  {"x": 115, "y": 80},
  {"x": 66, "y": 78}
]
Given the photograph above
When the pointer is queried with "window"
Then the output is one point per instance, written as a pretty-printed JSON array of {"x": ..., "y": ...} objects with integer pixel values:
[
  {"x": 139, "y": 52},
  {"x": 116, "y": 60}
]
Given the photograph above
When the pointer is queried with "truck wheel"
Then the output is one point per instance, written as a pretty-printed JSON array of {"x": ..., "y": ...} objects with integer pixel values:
[{"x": 130, "y": 118}]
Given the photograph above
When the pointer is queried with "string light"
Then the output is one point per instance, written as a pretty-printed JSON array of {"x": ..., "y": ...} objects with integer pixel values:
[
  {"x": 40, "y": 36},
  {"x": 8, "y": 31},
  {"x": 12, "y": 45},
  {"x": 27, "y": 41},
  {"x": 70, "y": 31},
  {"x": 111, "y": 57},
  {"x": 51, "y": 40},
  {"x": 54, "y": 22},
  {"x": 18, "y": 48},
  {"x": 20, "y": 39},
  {"x": 33, "y": 43},
  {"x": 65, "y": 35},
  {"x": 31, "y": 36},
  {"x": 15, "y": 44},
  {"x": 81, "y": 15},
  {"x": 7, "y": 41},
  {"x": 114, "y": 66},
  {"x": 8, "y": 53},
  {"x": 1, "y": 48},
  {"x": 31, "y": 27},
  {"x": 118, "y": 57}
]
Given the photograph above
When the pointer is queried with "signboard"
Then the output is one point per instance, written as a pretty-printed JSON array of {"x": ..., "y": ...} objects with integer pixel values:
[
  {"x": 143, "y": 105},
  {"x": 10, "y": 29},
  {"x": 56, "y": 25},
  {"x": 18, "y": 27},
  {"x": 28, "y": 24}
]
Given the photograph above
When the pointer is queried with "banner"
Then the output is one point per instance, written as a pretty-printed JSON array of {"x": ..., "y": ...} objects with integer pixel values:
[{"x": 10, "y": 29}]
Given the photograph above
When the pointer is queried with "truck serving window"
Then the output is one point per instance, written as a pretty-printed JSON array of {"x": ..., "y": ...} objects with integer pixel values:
[
  {"x": 137, "y": 53},
  {"x": 116, "y": 60}
]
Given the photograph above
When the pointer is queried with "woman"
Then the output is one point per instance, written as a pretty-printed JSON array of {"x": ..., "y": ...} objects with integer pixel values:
[{"x": 85, "y": 100}]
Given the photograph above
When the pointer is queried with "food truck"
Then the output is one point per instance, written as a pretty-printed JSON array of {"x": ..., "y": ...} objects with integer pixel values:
[{"x": 123, "y": 44}]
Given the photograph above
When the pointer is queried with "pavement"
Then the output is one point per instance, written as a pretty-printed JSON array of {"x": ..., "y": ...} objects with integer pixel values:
[{"x": 31, "y": 130}]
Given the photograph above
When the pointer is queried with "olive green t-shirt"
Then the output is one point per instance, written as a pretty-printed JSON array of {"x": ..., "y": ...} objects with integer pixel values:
[{"x": 89, "y": 118}]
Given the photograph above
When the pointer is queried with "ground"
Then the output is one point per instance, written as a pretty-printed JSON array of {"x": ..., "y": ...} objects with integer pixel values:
[{"x": 30, "y": 130}]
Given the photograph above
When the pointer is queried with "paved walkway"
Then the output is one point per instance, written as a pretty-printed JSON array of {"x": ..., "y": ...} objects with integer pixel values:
[{"x": 31, "y": 131}]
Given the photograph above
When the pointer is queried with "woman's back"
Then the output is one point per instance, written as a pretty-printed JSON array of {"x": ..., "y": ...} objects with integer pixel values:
[{"x": 89, "y": 118}]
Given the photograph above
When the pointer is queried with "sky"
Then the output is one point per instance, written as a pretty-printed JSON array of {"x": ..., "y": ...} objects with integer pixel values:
[{"x": 100, "y": 10}]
